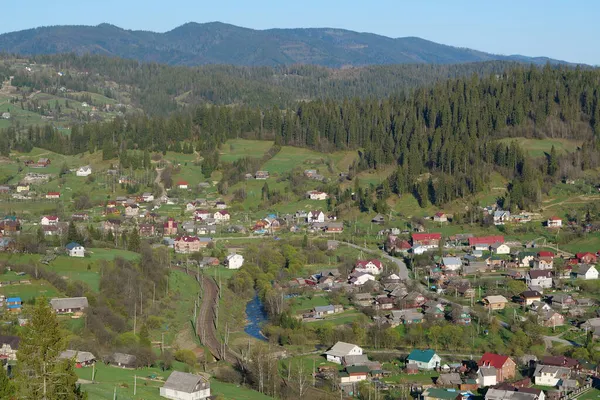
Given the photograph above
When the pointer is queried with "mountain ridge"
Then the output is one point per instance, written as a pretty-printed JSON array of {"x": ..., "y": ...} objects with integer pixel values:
[{"x": 220, "y": 43}]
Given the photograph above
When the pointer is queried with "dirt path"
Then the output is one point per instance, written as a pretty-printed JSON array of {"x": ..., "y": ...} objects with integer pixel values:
[{"x": 158, "y": 181}]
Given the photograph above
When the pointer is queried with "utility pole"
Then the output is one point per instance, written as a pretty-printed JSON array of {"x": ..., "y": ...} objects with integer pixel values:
[
  {"x": 134, "y": 316},
  {"x": 115, "y": 394},
  {"x": 134, "y": 384}
]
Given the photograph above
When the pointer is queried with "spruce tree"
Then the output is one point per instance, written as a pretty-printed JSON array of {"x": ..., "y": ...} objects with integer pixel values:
[
  {"x": 40, "y": 375},
  {"x": 133, "y": 244},
  {"x": 7, "y": 389}
]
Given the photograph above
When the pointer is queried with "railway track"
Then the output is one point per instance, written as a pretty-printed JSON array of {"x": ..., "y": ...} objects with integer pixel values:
[{"x": 206, "y": 321}]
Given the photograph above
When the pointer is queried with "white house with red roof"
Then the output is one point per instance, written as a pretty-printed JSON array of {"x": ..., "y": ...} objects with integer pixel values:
[
  {"x": 49, "y": 220},
  {"x": 505, "y": 366},
  {"x": 222, "y": 215},
  {"x": 182, "y": 185},
  {"x": 426, "y": 240},
  {"x": 440, "y": 217},
  {"x": 554, "y": 222},
  {"x": 373, "y": 267},
  {"x": 53, "y": 195}
]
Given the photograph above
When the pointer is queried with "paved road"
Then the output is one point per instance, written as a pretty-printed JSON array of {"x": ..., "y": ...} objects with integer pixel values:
[
  {"x": 549, "y": 339},
  {"x": 402, "y": 269}
]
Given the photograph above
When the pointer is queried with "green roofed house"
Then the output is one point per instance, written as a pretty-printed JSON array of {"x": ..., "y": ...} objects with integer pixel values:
[
  {"x": 424, "y": 359},
  {"x": 354, "y": 373}
]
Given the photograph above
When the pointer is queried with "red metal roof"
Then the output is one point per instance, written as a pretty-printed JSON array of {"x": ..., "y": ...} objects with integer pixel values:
[
  {"x": 426, "y": 236},
  {"x": 546, "y": 254},
  {"x": 363, "y": 263},
  {"x": 493, "y": 360},
  {"x": 486, "y": 240}
]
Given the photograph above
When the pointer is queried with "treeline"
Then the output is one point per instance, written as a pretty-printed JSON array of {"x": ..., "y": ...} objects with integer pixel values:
[{"x": 157, "y": 86}]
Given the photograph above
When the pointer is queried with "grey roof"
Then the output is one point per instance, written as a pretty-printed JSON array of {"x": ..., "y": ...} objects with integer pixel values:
[
  {"x": 324, "y": 308},
  {"x": 184, "y": 382},
  {"x": 452, "y": 378},
  {"x": 583, "y": 269},
  {"x": 341, "y": 349},
  {"x": 80, "y": 356},
  {"x": 356, "y": 359},
  {"x": 69, "y": 302},
  {"x": 487, "y": 371},
  {"x": 12, "y": 341},
  {"x": 451, "y": 261}
]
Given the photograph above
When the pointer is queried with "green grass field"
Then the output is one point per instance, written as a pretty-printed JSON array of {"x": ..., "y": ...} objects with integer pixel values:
[
  {"x": 299, "y": 304},
  {"x": 28, "y": 293},
  {"x": 235, "y": 149},
  {"x": 539, "y": 147},
  {"x": 108, "y": 378}
]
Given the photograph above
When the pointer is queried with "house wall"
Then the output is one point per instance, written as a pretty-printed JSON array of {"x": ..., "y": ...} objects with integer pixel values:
[
  {"x": 177, "y": 395},
  {"x": 77, "y": 252},
  {"x": 334, "y": 359},
  {"x": 546, "y": 380},
  {"x": 507, "y": 371},
  {"x": 353, "y": 378}
]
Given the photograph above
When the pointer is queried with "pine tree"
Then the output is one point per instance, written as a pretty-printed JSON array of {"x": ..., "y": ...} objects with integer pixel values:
[
  {"x": 72, "y": 234},
  {"x": 265, "y": 192},
  {"x": 40, "y": 375},
  {"x": 133, "y": 244},
  {"x": 552, "y": 162},
  {"x": 7, "y": 389}
]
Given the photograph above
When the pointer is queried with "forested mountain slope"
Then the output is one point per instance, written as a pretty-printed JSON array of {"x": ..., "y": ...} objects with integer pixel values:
[
  {"x": 219, "y": 43},
  {"x": 161, "y": 89},
  {"x": 442, "y": 139}
]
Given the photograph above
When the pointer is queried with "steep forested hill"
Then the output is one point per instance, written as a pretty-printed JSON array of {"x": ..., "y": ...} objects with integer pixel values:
[{"x": 219, "y": 43}]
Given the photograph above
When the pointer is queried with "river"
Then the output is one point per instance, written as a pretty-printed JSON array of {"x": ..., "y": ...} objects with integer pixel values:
[{"x": 256, "y": 315}]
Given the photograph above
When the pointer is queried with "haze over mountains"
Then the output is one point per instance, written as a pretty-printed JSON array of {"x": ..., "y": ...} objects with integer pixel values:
[{"x": 219, "y": 43}]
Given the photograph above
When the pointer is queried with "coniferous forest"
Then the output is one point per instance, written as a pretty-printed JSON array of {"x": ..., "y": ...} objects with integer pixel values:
[{"x": 442, "y": 137}]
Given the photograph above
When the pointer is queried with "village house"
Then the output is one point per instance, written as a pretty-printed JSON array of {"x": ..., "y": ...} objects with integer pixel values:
[
  {"x": 440, "y": 217},
  {"x": 543, "y": 263},
  {"x": 354, "y": 373},
  {"x": 14, "y": 304},
  {"x": 487, "y": 376},
  {"x": 373, "y": 267},
  {"x": 206, "y": 230},
  {"x": 316, "y": 195},
  {"x": 322, "y": 311},
  {"x": 539, "y": 278},
  {"x": 334, "y": 227},
  {"x": 526, "y": 259},
  {"x": 81, "y": 358},
  {"x": 221, "y": 216},
  {"x": 111, "y": 225},
  {"x": 186, "y": 244},
  {"x": 185, "y": 386},
  {"x": 122, "y": 360},
  {"x": 501, "y": 217},
  {"x": 550, "y": 319},
  {"x": 315, "y": 216},
  {"x": 424, "y": 359},
  {"x": 84, "y": 171},
  {"x": 586, "y": 258},
  {"x": 434, "y": 393},
  {"x": 360, "y": 278},
  {"x": 132, "y": 210},
  {"x": 147, "y": 197},
  {"x": 587, "y": 272},
  {"x": 75, "y": 250},
  {"x": 49, "y": 220},
  {"x": 554, "y": 222},
  {"x": 505, "y": 366},
  {"x": 220, "y": 205},
  {"x": 170, "y": 227},
  {"x": 10, "y": 226},
  {"x": 500, "y": 248},
  {"x": 426, "y": 240},
  {"x": 42, "y": 163},
  {"x": 234, "y": 261},
  {"x": 146, "y": 230},
  {"x": 9, "y": 345},
  {"x": 182, "y": 185},
  {"x": 513, "y": 393},
  {"x": 495, "y": 302},
  {"x": 202, "y": 214},
  {"x": 530, "y": 296},
  {"x": 341, "y": 350},
  {"x": 394, "y": 244},
  {"x": 484, "y": 242},
  {"x": 22, "y": 188},
  {"x": 69, "y": 305},
  {"x": 451, "y": 263},
  {"x": 80, "y": 217},
  {"x": 549, "y": 375},
  {"x": 53, "y": 195},
  {"x": 50, "y": 230},
  {"x": 261, "y": 175}
]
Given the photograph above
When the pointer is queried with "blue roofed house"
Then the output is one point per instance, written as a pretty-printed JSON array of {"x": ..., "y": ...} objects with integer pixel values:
[
  {"x": 14, "y": 304},
  {"x": 424, "y": 359},
  {"x": 75, "y": 250}
]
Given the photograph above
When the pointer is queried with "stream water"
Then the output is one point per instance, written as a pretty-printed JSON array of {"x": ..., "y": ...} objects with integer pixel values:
[{"x": 256, "y": 315}]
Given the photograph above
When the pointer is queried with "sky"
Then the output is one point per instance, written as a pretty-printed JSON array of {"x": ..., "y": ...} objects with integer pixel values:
[{"x": 565, "y": 30}]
